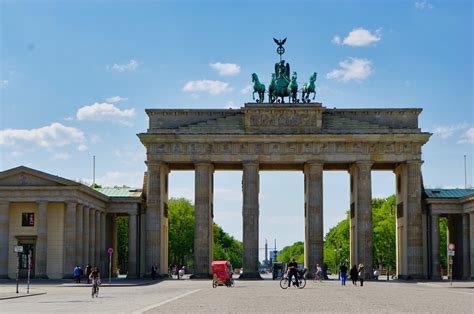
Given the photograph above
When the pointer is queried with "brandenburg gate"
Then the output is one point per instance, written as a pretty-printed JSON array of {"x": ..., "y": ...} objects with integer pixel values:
[{"x": 299, "y": 136}]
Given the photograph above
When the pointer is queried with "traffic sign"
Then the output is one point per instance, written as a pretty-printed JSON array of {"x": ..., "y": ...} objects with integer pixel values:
[
  {"x": 18, "y": 249},
  {"x": 450, "y": 253},
  {"x": 451, "y": 246},
  {"x": 110, "y": 250},
  {"x": 450, "y": 261}
]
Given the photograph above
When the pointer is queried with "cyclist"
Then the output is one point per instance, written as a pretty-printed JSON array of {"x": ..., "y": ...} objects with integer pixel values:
[
  {"x": 293, "y": 271},
  {"x": 95, "y": 278}
]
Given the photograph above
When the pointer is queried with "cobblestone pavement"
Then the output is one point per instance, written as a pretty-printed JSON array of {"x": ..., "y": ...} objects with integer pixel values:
[{"x": 190, "y": 296}]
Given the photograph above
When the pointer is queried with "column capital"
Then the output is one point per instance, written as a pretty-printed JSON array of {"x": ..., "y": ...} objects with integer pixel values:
[
  {"x": 251, "y": 163},
  {"x": 364, "y": 163},
  {"x": 71, "y": 202},
  {"x": 416, "y": 162},
  {"x": 153, "y": 163},
  {"x": 203, "y": 164},
  {"x": 314, "y": 165}
]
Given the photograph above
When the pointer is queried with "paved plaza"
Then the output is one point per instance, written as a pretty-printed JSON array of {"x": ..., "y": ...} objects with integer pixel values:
[{"x": 190, "y": 296}]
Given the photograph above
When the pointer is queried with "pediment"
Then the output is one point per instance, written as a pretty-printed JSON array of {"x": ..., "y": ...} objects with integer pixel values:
[{"x": 23, "y": 176}]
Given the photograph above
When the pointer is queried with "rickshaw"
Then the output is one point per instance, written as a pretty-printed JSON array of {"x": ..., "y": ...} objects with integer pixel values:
[{"x": 222, "y": 274}]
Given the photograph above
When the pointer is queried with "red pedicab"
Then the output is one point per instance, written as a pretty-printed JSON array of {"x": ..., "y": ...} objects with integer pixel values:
[{"x": 222, "y": 271}]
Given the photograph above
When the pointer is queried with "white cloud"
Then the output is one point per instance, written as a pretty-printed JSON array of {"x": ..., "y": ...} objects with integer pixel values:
[
  {"x": 131, "y": 65},
  {"x": 247, "y": 89},
  {"x": 351, "y": 69},
  {"x": 3, "y": 84},
  {"x": 467, "y": 137},
  {"x": 116, "y": 99},
  {"x": 231, "y": 105},
  {"x": 446, "y": 131},
  {"x": 54, "y": 135},
  {"x": 423, "y": 5},
  {"x": 177, "y": 192},
  {"x": 117, "y": 178},
  {"x": 225, "y": 194},
  {"x": 359, "y": 37},
  {"x": 61, "y": 156},
  {"x": 226, "y": 69},
  {"x": 105, "y": 112},
  {"x": 211, "y": 87}
]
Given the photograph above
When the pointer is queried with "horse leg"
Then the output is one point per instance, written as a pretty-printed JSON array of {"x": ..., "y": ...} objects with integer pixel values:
[
  {"x": 253, "y": 95},
  {"x": 314, "y": 95}
]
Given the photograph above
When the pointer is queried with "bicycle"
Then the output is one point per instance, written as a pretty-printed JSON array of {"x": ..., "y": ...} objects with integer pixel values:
[
  {"x": 301, "y": 281},
  {"x": 95, "y": 288}
]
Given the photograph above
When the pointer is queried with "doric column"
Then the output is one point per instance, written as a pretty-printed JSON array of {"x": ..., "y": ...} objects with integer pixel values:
[
  {"x": 203, "y": 235},
  {"x": 98, "y": 261},
  {"x": 42, "y": 240},
  {"x": 466, "y": 263},
  {"x": 132, "y": 246},
  {"x": 85, "y": 240},
  {"x": 314, "y": 229},
  {"x": 471, "y": 242},
  {"x": 103, "y": 249},
  {"x": 361, "y": 215},
  {"x": 80, "y": 235},
  {"x": 157, "y": 217},
  {"x": 92, "y": 237},
  {"x": 4, "y": 249},
  {"x": 70, "y": 258},
  {"x": 250, "y": 215},
  {"x": 435, "y": 247},
  {"x": 414, "y": 220}
]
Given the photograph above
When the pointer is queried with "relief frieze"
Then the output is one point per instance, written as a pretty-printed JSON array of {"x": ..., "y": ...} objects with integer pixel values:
[
  {"x": 285, "y": 148},
  {"x": 289, "y": 118}
]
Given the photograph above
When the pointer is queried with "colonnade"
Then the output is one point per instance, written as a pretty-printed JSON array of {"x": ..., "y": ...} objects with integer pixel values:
[
  {"x": 410, "y": 256},
  {"x": 461, "y": 234}
]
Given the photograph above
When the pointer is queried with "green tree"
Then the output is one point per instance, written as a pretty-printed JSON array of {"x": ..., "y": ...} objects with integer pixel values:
[
  {"x": 181, "y": 237},
  {"x": 443, "y": 242},
  {"x": 122, "y": 243},
  {"x": 226, "y": 247},
  {"x": 336, "y": 245},
  {"x": 181, "y": 231},
  {"x": 288, "y": 253}
]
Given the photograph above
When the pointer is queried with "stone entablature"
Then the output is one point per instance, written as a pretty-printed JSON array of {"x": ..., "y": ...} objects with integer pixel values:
[
  {"x": 274, "y": 117},
  {"x": 284, "y": 118}
]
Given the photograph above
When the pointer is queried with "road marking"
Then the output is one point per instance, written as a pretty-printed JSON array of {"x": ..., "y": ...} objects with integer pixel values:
[{"x": 165, "y": 302}]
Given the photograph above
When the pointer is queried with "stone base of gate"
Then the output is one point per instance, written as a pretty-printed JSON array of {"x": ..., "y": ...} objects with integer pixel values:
[{"x": 250, "y": 276}]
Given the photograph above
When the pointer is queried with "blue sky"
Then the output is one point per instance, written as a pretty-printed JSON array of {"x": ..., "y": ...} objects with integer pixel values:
[{"x": 76, "y": 76}]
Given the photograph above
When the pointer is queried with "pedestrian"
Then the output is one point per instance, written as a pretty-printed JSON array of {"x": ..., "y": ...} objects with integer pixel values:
[
  {"x": 343, "y": 271},
  {"x": 325, "y": 271},
  {"x": 354, "y": 275},
  {"x": 88, "y": 272},
  {"x": 361, "y": 274},
  {"x": 77, "y": 273},
  {"x": 154, "y": 269}
]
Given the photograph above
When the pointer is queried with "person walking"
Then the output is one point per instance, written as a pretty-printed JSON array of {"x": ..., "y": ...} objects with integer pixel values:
[
  {"x": 154, "y": 269},
  {"x": 77, "y": 273},
  {"x": 354, "y": 275},
  {"x": 343, "y": 272},
  {"x": 361, "y": 274},
  {"x": 88, "y": 272}
]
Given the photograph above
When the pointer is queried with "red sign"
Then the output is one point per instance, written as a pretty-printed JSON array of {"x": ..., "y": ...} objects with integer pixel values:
[
  {"x": 451, "y": 246},
  {"x": 110, "y": 250},
  {"x": 450, "y": 261}
]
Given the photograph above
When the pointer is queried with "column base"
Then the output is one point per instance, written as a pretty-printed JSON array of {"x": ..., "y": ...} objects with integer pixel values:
[
  {"x": 412, "y": 277},
  {"x": 200, "y": 276},
  {"x": 250, "y": 276}
]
